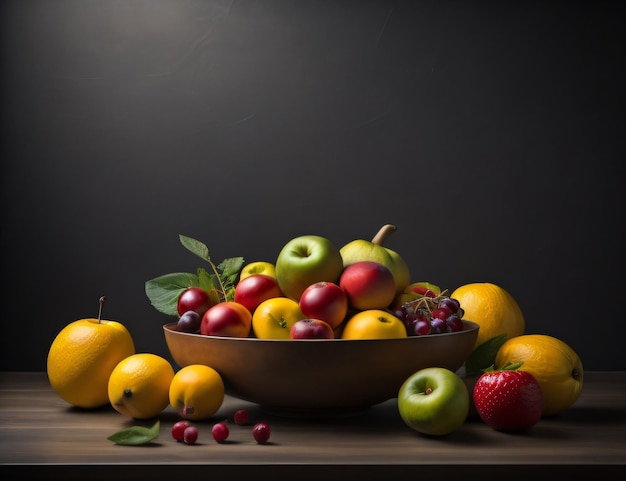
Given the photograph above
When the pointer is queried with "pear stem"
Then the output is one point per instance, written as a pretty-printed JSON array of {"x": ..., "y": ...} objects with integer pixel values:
[
  {"x": 384, "y": 232},
  {"x": 100, "y": 309}
]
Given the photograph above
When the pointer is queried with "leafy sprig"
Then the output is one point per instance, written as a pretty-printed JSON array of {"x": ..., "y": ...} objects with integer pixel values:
[
  {"x": 219, "y": 282},
  {"x": 136, "y": 435},
  {"x": 484, "y": 355}
]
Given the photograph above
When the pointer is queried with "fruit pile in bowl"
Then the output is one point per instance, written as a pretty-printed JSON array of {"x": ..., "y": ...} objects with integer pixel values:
[{"x": 321, "y": 330}]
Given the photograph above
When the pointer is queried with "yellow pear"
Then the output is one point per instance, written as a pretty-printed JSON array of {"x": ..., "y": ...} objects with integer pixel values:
[{"x": 364, "y": 250}]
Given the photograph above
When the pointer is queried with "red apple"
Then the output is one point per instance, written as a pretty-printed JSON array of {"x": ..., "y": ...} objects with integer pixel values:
[
  {"x": 256, "y": 288},
  {"x": 194, "y": 299},
  {"x": 326, "y": 301},
  {"x": 369, "y": 285},
  {"x": 311, "y": 329},
  {"x": 228, "y": 319}
]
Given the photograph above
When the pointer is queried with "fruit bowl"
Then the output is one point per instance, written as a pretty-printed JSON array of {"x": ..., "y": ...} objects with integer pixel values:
[{"x": 316, "y": 377}]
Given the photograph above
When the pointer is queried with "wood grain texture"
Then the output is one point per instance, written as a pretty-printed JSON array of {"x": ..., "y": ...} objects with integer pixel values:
[{"x": 41, "y": 435}]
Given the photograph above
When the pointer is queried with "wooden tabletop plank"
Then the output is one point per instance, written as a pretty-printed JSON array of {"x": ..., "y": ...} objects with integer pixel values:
[{"x": 39, "y": 429}]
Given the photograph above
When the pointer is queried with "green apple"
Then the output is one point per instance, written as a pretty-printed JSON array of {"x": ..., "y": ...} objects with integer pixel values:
[
  {"x": 364, "y": 250},
  {"x": 257, "y": 267},
  {"x": 306, "y": 260},
  {"x": 434, "y": 401}
]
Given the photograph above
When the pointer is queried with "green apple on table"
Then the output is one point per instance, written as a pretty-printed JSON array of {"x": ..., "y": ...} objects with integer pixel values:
[
  {"x": 434, "y": 401},
  {"x": 305, "y": 260}
]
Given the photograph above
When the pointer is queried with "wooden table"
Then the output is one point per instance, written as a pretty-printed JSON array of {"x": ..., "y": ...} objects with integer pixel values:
[{"x": 41, "y": 436}]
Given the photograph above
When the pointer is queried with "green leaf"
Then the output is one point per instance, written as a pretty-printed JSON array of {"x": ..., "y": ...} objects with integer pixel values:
[
  {"x": 196, "y": 247},
  {"x": 484, "y": 355},
  {"x": 231, "y": 267},
  {"x": 206, "y": 280},
  {"x": 164, "y": 291},
  {"x": 136, "y": 435},
  {"x": 511, "y": 366},
  {"x": 229, "y": 270}
]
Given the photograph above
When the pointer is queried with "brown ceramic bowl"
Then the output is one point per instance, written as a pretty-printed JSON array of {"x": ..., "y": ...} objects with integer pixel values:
[{"x": 319, "y": 377}]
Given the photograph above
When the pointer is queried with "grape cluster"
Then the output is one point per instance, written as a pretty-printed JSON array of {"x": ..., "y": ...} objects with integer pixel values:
[{"x": 431, "y": 314}]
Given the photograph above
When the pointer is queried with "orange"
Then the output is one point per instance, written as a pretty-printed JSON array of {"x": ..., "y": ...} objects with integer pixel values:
[
  {"x": 273, "y": 318},
  {"x": 554, "y": 364},
  {"x": 139, "y": 385},
  {"x": 196, "y": 392},
  {"x": 492, "y": 308},
  {"x": 82, "y": 357},
  {"x": 373, "y": 324}
]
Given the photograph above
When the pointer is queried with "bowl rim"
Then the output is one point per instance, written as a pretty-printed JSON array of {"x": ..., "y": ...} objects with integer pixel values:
[{"x": 468, "y": 326}]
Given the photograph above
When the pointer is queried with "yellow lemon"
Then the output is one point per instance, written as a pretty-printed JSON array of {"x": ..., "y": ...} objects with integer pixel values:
[
  {"x": 257, "y": 267},
  {"x": 197, "y": 392},
  {"x": 273, "y": 318},
  {"x": 139, "y": 385},
  {"x": 82, "y": 357},
  {"x": 554, "y": 364},
  {"x": 373, "y": 324},
  {"x": 492, "y": 308}
]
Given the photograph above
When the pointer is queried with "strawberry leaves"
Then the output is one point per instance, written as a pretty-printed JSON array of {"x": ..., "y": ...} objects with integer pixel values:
[{"x": 484, "y": 355}]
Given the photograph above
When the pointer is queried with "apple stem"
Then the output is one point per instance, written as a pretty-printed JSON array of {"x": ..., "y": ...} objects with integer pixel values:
[
  {"x": 100, "y": 309},
  {"x": 383, "y": 233}
]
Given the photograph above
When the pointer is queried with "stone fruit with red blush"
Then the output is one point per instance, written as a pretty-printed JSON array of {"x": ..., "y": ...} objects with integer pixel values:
[
  {"x": 311, "y": 329},
  {"x": 326, "y": 301},
  {"x": 369, "y": 285},
  {"x": 228, "y": 319},
  {"x": 256, "y": 288},
  {"x": 194, "y": 299}
]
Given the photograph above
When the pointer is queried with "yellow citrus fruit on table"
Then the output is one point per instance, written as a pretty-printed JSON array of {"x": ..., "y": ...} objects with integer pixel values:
[
  {"x": 82, "y": 357},
  {"x": 373, "y": 324},
  {"x": 492, "y": 308},
  {"x": 139, "y": 385},
  {"x": 196, "y": 392},
  {"x": 554, "y": 364}
]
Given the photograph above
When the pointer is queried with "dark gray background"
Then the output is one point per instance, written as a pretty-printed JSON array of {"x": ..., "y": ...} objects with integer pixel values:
[{"x": 490, "y": 133}]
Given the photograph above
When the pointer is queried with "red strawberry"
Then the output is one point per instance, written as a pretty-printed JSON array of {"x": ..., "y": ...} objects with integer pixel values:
[{"x": 508, "y": 399}]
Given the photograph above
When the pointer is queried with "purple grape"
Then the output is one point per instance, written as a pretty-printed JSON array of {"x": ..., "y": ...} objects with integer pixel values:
[
  {"x": 455, "y": 324},
  {"x": 189, "y": 322},
  {"x": 438, "y": 326},
  {"x": 422, "y": 327},
  {"x": 449, "y": 303},
  {"x": 441, "y": 313}
]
